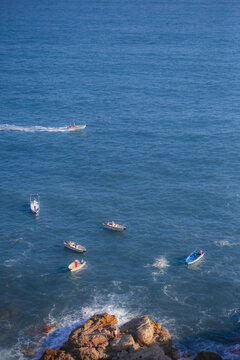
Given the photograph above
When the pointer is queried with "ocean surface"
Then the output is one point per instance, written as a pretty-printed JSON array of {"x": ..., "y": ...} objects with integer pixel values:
[{"x": 157, "y": 83}]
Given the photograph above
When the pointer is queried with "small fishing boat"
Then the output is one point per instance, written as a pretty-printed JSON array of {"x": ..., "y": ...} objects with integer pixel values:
[
  {"x": 35, "y": 203},
  {"x": 74, "y": 246},
  {"x": 76, "y": 127},
  {"x": 76, "y": 265},
  {"x": 111, "y": 225},
  {"x": 194, "y": 257}
]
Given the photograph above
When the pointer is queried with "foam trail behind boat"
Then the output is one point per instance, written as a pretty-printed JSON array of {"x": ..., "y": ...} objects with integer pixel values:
[{"x": 32, "y": 129}]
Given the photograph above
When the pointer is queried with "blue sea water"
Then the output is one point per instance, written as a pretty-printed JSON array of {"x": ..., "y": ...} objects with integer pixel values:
[{"x": 157, "y": 82}]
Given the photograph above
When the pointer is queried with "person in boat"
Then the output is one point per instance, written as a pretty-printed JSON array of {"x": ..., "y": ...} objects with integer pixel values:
[
  {"x": 76, "y": 263},
  {"x": 82, "y": 261},
  {"x": 200, "y": 252},
  {"x": 74, "y": 125}
]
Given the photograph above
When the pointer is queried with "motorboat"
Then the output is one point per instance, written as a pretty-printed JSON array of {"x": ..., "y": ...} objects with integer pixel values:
[
  {"x": 111, "y": 225},
  {"x": 76, "y": 127},
  {"x": 194, "y": 257},
  {"x": 74, "y": 246},
  {"x": 76, "y": 265},
  {"x": 35, "y": 203}
]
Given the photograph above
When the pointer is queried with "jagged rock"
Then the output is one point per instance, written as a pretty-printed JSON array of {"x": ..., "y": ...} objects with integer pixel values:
[
  {"x": 207, "y": 355},
  {"x": 125, "y": 342},
  {"x": 99, "y": 338},
  {"x": 97, "y": 330},
  {"x": 145, "y": 331},
  {"x": 90, "y": 340},
  {"x": 86, "y": 353},
  {"x": 56, "y": 355},
  {"x": 165, "y": 340}
]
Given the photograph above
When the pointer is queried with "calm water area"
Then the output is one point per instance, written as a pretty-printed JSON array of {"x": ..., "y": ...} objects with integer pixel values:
[{"x": 157, "y": 83}]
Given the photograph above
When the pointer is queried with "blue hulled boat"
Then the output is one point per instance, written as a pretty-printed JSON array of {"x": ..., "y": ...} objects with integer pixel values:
[{"x": 194, "y": 257}]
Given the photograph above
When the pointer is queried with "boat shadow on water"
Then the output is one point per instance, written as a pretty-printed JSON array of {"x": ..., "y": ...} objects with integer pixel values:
[{"x": 25, "y": 208}]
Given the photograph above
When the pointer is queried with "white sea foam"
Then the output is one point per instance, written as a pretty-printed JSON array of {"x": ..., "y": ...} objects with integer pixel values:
[
  {"x": 32, "y": 129},
  {"x": 9, "y": 262},
  {"x": 161, "y": 264},
  {"x": 11, "y": 354},
  {"x": 167, "y": 290},
  {"x": 111, "y": 306},
  {"x": 66, "y": 322},
  {"x": 222, "y": 243},
  {"x": 117, "y": 284}
]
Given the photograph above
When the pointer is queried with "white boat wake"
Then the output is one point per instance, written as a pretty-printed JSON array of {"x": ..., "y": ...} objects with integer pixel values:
[
  {"x": 161, "y": 263},
  {"x": 32, "y": 129}
]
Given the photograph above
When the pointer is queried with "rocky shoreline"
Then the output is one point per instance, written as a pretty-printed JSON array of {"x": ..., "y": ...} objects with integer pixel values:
[{"x": 101, "y": 338}]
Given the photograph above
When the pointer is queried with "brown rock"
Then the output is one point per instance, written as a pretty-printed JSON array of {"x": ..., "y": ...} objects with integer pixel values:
[
  {"x": 125, "y": 342},
  {"x": 142, "y": 329},
  {"x": 97, "y": 330},
  {"x": 147, "y": 332},
  {"x": 144, "y": 332},
  {"x": 87, "y": 354},
  {"x": 207, "y": 355},
  {"x": 56, "y": 355},
  {"x": 99, "y": 338},
  {"x": 165, "y": 340},
  {"x": 130, "y": 326}
]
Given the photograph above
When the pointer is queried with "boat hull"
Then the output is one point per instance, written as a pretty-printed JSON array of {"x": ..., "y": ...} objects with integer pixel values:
[
  {"x": 35, "y": 203},
  {"x": 190, "y": 260},
  {"x": 114, "y": 228},
  {"x": 82, "y": 249},
  {"x": 78, "y": 127},
  {"x": 73, "y": 268},
  {"x": 34, "y": 210}
]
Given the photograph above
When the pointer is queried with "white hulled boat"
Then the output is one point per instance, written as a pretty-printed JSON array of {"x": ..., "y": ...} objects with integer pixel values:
[
  {"x": 76, "y": 265},
  {"x": 111, "y": 225},
  {"x": 35, "y": 203},
  {"x": 76, "y": 127},
  {"x": 74, "y": 246}
]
